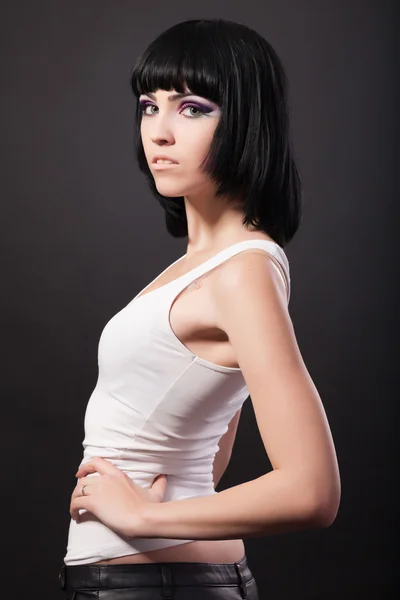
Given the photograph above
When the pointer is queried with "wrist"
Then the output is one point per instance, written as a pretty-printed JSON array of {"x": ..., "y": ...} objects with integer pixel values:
[{"x": 149, "y": 519}]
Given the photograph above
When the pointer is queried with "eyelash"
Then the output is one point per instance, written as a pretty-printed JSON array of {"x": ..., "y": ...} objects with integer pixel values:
[{"x": 144, "y": 105}]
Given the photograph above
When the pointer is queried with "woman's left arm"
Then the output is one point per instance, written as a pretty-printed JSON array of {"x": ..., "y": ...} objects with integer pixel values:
[{"x": 303, "y": 489}]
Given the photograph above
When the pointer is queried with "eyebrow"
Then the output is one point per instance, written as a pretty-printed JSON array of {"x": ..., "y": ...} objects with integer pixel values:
[{"x": 172, "y": 97}]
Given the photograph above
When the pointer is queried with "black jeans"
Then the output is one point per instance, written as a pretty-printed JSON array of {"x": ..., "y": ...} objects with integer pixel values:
[{"x": 160, "y": 581}]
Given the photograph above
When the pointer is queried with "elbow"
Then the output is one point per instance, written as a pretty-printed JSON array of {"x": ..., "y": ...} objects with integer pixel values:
[
  {"x": 323, "y": 515},
  {"x": 324, "y": 505}
]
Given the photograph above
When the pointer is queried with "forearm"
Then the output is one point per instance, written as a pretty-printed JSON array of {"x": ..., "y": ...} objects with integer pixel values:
[{"x": 272, "y": 503}]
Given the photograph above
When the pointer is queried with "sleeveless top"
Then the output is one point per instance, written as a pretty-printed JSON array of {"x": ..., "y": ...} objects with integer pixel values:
[{"x": 157, "y": 407}]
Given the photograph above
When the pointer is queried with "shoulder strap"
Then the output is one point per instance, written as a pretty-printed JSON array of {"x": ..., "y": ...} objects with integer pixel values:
[{"x": 276, "y": 253}]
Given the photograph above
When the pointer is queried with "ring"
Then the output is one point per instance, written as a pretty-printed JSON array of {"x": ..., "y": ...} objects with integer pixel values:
[{"x": 83, "y": 489}]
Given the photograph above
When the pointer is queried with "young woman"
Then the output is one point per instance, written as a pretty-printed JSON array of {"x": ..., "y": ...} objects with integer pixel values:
[{"x": 177, "y": 363}]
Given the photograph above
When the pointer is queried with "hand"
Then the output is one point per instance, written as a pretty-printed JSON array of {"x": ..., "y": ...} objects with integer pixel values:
[{"x": 113, "y": 497}]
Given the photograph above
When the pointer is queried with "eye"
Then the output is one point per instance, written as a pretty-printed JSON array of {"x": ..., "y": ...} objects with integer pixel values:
[
  {"x": 144, "y": 105},
  {"x": 198, "y": 110}
]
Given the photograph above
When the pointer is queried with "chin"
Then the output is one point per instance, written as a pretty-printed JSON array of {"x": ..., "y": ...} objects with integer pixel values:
[{"x": 171, "y": 191}]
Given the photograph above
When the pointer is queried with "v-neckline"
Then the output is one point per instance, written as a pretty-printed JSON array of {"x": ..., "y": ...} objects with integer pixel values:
[{"x": 143, "y": 295}]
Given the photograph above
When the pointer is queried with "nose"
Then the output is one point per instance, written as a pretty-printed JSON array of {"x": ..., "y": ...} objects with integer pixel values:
[{"x": 161, "y": 131}]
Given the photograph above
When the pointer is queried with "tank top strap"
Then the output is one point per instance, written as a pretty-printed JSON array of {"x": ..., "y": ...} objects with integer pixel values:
[{"x": 275, "y": 251}]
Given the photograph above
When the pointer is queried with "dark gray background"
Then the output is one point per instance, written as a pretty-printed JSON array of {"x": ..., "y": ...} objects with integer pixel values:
[{"x": 81, "y": 235}]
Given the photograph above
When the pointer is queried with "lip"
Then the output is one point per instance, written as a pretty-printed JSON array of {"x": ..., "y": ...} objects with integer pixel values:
[
  {"x": 164, "y": 157},
  {"x": 162, "y": 166}
]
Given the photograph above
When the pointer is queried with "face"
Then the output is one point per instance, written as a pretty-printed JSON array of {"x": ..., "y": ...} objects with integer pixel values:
[{"x": 182, "y": 129}]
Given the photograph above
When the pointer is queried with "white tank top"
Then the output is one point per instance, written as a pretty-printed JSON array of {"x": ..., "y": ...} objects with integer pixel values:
[{"x": 157, "y": 407}]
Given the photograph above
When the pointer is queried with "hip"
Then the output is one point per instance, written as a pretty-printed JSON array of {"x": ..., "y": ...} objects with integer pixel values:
[{"x": 209, "y": 551}]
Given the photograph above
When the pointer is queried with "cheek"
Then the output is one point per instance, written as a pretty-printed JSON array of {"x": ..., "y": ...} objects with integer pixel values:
[
  {"x": 196, "y": 143},
  {"x": 144, "y": 135}
]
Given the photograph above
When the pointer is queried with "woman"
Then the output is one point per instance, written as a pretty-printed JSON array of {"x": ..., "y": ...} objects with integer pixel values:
[{"x": 177, "y": 363}]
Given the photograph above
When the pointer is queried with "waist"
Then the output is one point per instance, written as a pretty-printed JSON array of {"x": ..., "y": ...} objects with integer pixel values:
[
  {"x": 189, "y": 474},
  {"x": 209, "y": 551},
  {"x": 90, "y": 541}
]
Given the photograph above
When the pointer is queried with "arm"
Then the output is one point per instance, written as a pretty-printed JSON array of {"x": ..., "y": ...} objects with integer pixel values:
[
  {"x": 225, "y": 445},
  {"x": 303, "y": 488}
]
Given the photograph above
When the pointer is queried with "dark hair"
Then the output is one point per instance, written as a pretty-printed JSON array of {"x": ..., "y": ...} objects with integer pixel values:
[{"x": 250, "y": 156}]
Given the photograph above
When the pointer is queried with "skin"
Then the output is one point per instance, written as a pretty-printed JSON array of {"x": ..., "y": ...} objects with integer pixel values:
[{"x": 303, "y": 489}]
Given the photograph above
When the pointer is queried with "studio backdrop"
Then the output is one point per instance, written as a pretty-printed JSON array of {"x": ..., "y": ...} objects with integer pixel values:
[{"x": 81, "y": 235}]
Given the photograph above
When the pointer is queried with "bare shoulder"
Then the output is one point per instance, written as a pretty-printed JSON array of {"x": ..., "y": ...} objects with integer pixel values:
[{"x": 252, "y": 274}]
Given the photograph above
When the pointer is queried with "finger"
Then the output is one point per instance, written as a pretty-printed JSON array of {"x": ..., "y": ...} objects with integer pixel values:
[
  {"x": 85, "y": 481},
  {"x": 77, "y": 504},
  {"x": 96, "y": 465},
  {"x": 159, "y": 477},
  {"x": 159, "y": 486}
]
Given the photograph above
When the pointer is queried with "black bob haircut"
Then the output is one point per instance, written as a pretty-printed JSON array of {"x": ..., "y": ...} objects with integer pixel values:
[{"x": 250, "y": 157}]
